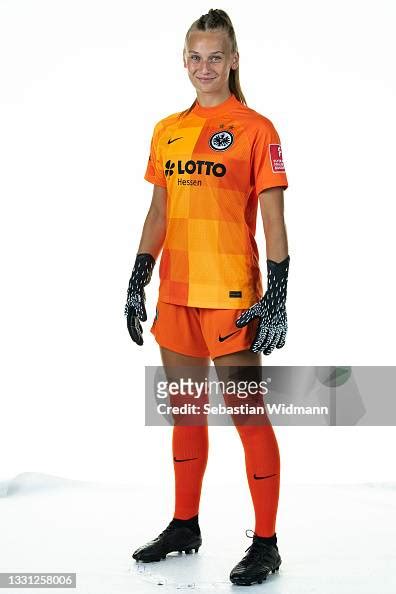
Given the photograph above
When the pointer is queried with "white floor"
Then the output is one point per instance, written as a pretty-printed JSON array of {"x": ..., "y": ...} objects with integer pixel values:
[{"x": 332, "y": 539}]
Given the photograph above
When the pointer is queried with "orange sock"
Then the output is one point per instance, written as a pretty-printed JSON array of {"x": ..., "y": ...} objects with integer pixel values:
[
  {"x": 190, "y": 454},
  {"x": 262, "y": 469}
]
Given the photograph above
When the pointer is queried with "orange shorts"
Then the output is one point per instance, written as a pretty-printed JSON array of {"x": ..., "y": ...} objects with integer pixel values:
[{"x": 201, "y": 331}]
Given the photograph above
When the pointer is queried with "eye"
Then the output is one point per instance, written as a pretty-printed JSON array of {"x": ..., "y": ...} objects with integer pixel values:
[
  {"x": 215, "y": 58},
  {"x": 194, "y": 58}
]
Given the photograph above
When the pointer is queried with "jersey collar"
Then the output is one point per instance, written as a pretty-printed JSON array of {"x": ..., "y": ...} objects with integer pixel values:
[{"x": 223, "y": 107}]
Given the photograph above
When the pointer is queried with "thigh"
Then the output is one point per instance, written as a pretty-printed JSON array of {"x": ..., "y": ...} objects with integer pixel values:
[
  {"x": 243, "y": 371},
  {"x": 191, "y": 374},
  {"x": 241, "y": 368},
  {"x": 173, "y": 359},
  {"x": 178, "y": 366},
  {"x": 245, "y": 357}
]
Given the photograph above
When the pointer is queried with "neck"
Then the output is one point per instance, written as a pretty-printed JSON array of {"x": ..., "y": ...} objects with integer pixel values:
[{"x": 212, "y": 99}]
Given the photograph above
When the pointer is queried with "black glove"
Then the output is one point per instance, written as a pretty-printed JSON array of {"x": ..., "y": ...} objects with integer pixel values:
[
  {"x": 135, "y": 309},
  {"x": 271, "y": 310}
]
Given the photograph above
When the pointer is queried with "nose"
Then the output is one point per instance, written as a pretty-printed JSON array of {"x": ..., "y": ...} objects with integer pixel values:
[{"x": 203, "y": 67}]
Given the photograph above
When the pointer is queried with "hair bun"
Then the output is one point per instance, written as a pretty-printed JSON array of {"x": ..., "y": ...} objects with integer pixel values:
[{"x": 217, "y": 12}]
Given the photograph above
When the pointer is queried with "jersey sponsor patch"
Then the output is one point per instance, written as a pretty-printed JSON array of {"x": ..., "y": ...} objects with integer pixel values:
[{"x": 277, "y": 164}]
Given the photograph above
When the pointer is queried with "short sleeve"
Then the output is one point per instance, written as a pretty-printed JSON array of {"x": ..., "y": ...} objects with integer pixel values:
[
  {"x": 268, "y": 169},
  {"x": 154, "y": 171}
]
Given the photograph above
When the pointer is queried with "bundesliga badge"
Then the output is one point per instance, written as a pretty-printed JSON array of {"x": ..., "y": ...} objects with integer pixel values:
[
  {"x": 222, "y": 140},
  {"x": 275, "y": 151}
]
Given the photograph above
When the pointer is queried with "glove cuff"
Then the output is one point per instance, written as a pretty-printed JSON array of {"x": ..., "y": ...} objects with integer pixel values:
[
  {"x": 279, "y": 269},
  {"x": 146, "y": 256}
]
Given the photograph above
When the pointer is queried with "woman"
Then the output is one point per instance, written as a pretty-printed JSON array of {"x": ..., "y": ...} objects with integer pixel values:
[{"x": 211, "y": 165}]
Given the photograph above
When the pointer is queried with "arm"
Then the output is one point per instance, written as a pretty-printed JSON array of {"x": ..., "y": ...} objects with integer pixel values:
[
  {"x": 154, "y": 228},
  {"x": 272, "y": 213},
  {"x": 271, "y": 309},
  {"x": 151, "y": 242}
]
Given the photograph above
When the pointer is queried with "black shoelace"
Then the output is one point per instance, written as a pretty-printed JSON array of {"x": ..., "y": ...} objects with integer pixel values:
[{"x": 256, "y": 551}]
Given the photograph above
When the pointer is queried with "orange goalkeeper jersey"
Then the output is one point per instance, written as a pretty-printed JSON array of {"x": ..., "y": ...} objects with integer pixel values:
[{"x": 214, "y": 163}]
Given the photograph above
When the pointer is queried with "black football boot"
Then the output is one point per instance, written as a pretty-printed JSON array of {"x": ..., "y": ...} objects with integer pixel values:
[
  {"x": 178, "y": 536},
  {"x": 261, "y": 559}
]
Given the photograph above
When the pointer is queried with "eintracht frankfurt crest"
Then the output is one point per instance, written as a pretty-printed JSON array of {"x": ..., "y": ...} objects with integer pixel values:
[{"x": 222, "y": 140}]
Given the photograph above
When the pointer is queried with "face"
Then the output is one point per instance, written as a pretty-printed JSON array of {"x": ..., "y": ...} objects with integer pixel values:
[{"x": 208, "y": 59}]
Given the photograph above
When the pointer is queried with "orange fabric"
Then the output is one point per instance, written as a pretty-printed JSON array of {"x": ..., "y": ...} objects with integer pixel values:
[
  {"x": 190, "y": 446},
  {"x": 196, "y": 331},
  {"x": 190, "y": 454},
  {"x": 214, "y": 163},
  {"x": 262, "y": 460}
]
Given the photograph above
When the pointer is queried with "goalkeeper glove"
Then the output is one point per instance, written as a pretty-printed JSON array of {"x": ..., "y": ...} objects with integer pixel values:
[
  {"x": 135, "y": 309},
  {"x": 271, "y": 310}
]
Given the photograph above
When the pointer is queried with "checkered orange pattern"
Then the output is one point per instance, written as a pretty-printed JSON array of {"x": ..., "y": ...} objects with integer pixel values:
[{"x": 214, "y": 163}]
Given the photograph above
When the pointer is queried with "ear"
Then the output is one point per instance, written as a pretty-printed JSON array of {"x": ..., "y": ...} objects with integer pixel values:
[{"x": 235, "y": 61}]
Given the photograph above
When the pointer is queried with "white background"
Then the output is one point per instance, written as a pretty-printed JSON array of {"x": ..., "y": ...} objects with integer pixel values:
[{"x": 82, "y": 84}]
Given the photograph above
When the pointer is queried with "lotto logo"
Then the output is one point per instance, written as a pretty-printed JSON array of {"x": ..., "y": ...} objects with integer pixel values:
[
  {"x": 276, "y": 158},
  {"x": 198, "y": 167},
  {"x": 169, "y": 166}
]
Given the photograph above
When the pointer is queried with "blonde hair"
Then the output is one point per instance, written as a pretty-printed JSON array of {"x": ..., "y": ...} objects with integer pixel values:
[{"x": 216, "y": 20}]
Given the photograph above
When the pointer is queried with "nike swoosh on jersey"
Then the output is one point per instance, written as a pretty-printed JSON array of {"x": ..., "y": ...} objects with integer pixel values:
[
  {"x": 174, "y": 139},
  {"x": 184, "y": 460},
  {"x": 258, "y": 478},
  {"x": 222, "y": 338}
]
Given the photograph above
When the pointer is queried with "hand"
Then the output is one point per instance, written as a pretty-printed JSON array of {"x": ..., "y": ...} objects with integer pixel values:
[
  {"x": 271, "y": 310},
  {"x": 135, "y": 310}
]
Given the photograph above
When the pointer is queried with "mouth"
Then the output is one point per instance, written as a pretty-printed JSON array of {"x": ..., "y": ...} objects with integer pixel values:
[{"x": 205, "y": 80}]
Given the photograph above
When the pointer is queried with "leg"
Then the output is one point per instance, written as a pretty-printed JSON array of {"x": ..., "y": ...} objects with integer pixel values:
[
  {"x": 189, "y": 442},
  {"x": 176, "y": 328},
  {"x": 239, "y": 358},
  {"x": 261, "y": 450},
  {"x": 172, "y": 359}
]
